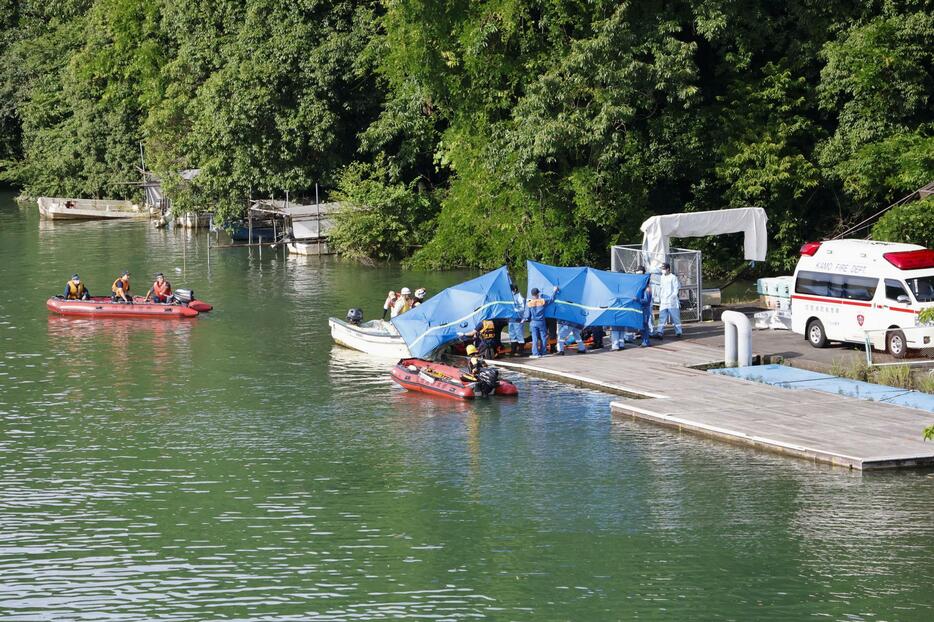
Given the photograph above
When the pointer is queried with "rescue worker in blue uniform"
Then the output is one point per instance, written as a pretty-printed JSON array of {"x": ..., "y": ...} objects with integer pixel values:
[
  {"x": 646, "y": 301},
  {"x": 535, "y": 316},
  {"x": 516, "y": 331}
]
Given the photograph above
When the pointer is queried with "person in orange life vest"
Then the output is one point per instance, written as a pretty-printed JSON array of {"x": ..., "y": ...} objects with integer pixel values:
[
  {"x": 161, "y": 290},
  {"x": 121, "y": 288},
  {"x": 75, "y": 289},
  {"x": 486, "y": 335}
]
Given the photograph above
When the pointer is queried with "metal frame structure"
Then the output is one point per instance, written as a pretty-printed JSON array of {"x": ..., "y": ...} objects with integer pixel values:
[{"x": 685, "y": 264}]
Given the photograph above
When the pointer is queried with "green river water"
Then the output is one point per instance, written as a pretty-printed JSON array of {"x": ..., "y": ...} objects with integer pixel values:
[{"x": 238, "y": 466}]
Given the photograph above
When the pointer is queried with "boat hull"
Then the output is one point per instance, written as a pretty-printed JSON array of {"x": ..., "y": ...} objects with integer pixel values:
[
  {"x": 356, "y": 338},
  {"x": 309, "y": 248},
  {"x": 90, "y": 215},
  {"x": 88, "y": 209},
  {"x": 441, "y": 380},
  {"x": 101, "y": 307}
]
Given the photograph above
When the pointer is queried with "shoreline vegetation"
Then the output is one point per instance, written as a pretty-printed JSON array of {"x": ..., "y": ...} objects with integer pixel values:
[{"x": 482, "y": 134}]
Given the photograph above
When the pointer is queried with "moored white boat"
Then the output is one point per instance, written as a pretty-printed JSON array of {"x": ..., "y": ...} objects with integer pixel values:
[
  {"x": 88, "y": 209},
  {"x": 376, "y": 337}
]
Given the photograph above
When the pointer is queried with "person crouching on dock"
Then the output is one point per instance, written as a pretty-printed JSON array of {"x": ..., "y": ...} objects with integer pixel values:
[{"x": 161, "y": 290}]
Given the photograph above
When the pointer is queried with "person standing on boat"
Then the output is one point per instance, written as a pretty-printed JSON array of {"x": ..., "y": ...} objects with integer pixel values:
[
  {"x": 161, "y": 290},
  {"x": 403, "y": 302},
  {"x": 669, "y": 304},
  {"x": 75, "y": 289},
  {"x": 388, "y": 304},
  {"x": 419, "y": 296},
  {"x": 516, "y": 331},
  {"x": 535, "y": 316},
  {"x": 121, "y": 288}
]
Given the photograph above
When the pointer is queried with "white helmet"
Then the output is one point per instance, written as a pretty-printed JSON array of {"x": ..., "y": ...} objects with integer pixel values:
[
  {"x": 405, "y": 291},
  {"x": 420, "y": 292}
]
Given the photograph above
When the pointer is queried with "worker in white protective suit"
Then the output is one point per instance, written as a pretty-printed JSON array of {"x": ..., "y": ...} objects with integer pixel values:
[{"x": 669, "y": 305}]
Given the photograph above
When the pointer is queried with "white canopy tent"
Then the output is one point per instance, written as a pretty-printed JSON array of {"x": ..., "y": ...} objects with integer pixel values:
[{"x": 751, "y": 221}]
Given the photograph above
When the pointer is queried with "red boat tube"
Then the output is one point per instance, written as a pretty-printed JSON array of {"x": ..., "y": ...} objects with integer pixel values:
[
  {"x": 103, "y": 307},
  {"x": 443, "y": 380},
  {"x": 200, "y": 306}
]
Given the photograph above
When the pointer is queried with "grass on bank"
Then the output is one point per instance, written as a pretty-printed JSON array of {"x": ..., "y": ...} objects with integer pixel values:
[{"x": 899, "y": 376}]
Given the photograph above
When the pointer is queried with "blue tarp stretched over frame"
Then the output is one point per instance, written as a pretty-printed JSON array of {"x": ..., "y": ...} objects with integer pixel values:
[
  {"x": 457, "y": 309},
  {"x": 590, "y": 297}
]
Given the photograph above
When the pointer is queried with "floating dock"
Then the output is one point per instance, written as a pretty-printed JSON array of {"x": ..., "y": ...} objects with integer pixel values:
[{"x": 666, "y": 385}]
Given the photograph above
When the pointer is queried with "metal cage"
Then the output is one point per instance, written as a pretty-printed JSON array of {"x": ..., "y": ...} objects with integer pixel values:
[{"x": 685, "y": 264}]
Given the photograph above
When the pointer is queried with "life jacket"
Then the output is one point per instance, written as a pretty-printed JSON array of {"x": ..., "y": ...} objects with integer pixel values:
[
  {"x": 75, "y": 291},
  {"x": 162, "y": 290},
  {"x": 121, "y": 283},
  {"x": 474, "y": 364},
  {"x": 488, "y": 330}
]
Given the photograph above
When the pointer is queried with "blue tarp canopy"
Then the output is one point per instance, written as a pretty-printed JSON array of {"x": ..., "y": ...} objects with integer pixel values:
[
  {"x": 458, "y": 309},
  {"x": 590, "y": 297}
]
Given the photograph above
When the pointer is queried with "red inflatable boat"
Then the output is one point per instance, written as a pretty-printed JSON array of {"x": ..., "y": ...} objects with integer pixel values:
[
  {"x": 102, "y": 306},
  {"x": 447, "y": 381}
]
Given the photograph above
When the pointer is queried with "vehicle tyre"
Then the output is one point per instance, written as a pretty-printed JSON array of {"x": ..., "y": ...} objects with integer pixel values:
[
  {"x": 816, "y": 335},
  {"x": 895, "y": 344}
]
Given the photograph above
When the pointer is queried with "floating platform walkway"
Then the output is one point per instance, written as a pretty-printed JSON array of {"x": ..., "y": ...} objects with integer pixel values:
[{"x": 666, "y": 385}]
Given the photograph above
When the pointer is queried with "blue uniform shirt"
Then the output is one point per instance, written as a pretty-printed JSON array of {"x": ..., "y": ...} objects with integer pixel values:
[{"x": 535, "y": 309}]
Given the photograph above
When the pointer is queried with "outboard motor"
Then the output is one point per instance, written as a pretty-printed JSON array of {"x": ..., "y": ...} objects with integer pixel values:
[
  {"x": 487, "y": 380},
  {"x": 355, "y": 316},
  {"x": 183, "y": 296}
]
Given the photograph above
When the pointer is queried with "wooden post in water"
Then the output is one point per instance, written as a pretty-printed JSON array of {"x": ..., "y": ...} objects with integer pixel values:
[{"x": 317, "y": 222}]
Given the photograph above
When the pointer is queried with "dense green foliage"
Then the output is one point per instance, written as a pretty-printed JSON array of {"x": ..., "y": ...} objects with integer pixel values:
[
  {"x": 379, "y": 219},
  {"x": 467, "y": 133},
  {"x": 912, "y": 222}
]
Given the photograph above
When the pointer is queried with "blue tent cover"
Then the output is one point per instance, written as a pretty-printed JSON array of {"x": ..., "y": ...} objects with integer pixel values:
[
  {"x": 590, "y": 297},
  {"x": 456, "y": 310}
]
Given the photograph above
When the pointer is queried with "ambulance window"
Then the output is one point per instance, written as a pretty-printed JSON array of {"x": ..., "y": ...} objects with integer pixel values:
[
  {"x": 859, "y": 287},
  {"x": 836, "y": 285},
  {"x": 813, "y": 283},
  {"x": 922, "y": 287},
  {"x": 894, "y": 289}
]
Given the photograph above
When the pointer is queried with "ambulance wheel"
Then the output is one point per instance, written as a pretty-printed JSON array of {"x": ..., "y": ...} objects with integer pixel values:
[
  {"x": 816, "y": 335},
  {"x": 895, "y": 344}
]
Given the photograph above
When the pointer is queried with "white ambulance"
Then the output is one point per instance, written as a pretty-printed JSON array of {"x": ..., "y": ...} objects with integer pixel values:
[{"x": 845, "y": 290}]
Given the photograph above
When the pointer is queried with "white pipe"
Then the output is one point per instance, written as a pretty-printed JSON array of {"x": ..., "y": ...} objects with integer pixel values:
[{"x": 737, "y": 328}]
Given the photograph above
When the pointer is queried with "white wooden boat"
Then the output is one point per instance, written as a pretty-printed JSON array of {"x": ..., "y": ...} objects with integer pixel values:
[
  {"x": 309, "y": 248},
  {"x": 89, "y": 209},
  {"x": 376, "y": 337}
]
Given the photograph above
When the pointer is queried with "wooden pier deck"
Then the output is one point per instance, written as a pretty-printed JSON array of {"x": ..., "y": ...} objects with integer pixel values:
[{"x": 661, "y": 385}]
